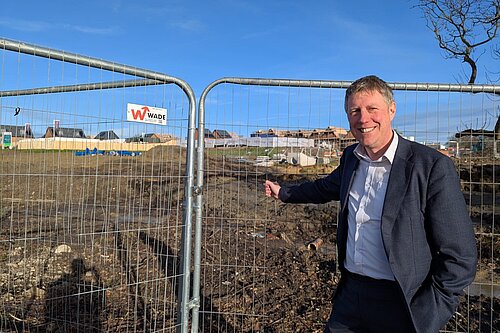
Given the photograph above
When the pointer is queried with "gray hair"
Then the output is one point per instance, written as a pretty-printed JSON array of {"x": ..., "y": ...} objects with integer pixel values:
[{"x": 370, "y": 83}]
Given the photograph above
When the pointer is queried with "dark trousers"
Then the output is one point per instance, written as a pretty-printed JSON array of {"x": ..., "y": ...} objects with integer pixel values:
[{"x": 367, "y": 305}]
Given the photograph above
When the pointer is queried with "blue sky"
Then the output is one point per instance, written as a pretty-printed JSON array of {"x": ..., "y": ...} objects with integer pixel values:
[{"x": 201, "y": 41}]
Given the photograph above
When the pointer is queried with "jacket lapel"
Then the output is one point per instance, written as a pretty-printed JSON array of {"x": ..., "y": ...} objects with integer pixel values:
[
  {"x": 351, "y": 164},
  {"x": 349, "y": 168},
  {"x": 396, "y": 189}
]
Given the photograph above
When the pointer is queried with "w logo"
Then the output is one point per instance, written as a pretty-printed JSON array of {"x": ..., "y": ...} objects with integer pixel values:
[
  {"x": 146, "y": 114},
  {"x": 139, "y": 114}
]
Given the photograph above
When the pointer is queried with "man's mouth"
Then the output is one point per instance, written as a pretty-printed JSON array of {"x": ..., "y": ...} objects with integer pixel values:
[{"x": 366, "y": 130}]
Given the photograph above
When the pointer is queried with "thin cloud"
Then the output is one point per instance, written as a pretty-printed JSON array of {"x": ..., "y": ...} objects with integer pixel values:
[
  {"x": 173, "y": 12},
  {"x": 24, "y": 25},
  {"x": 189, "y": 25},
  {"x": 40, "y": 26},
  {"x": 262, "y": 33},
  {"x": 92, "y": 30},
  {"x": 116, "y": 5},
  {"x": 377, "y": 39},
  {"x": 172, "y": 8},
  {"x": 241, "y": 6},
  {"x": 357, "y": 28}
]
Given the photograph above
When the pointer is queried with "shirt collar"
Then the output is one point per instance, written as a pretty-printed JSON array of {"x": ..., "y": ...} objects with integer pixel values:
[{"x": 389, "y": 154}]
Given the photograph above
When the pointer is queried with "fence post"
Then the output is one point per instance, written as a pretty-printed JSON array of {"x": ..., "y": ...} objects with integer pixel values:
[
  {"x": 427, "y": 87},
  {"x": 151, "y": 79}
]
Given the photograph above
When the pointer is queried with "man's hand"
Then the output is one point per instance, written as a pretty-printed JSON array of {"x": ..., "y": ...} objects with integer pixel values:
[{"x": 271, "y": 189}]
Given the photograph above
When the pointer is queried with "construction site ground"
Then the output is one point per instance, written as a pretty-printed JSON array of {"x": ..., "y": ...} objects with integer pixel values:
[{"x": 80, "y": 236}]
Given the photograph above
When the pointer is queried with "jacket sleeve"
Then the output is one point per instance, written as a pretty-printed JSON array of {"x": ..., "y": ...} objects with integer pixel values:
[{"x": 454, "y": 256}]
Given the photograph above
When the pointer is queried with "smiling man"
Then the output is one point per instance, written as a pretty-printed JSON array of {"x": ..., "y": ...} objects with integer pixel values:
[
  {"x": 370, "y": 113},
  {"x": 406, "y": 246}
]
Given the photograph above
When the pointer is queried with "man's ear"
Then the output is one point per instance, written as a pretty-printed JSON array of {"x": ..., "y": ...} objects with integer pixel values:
[{"x": 392, "y": 110}]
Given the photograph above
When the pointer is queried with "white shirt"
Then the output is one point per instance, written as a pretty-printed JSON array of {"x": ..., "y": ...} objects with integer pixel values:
[{"x": 365, "y": 249}]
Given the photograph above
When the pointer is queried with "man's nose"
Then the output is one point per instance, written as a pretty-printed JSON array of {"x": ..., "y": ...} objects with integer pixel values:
[{"x": 364, "y": 116}]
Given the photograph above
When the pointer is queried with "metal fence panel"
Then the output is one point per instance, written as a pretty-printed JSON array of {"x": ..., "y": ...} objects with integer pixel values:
[
  {"x": 94, "y": 210},
  {"x": 265, "y": 266}
]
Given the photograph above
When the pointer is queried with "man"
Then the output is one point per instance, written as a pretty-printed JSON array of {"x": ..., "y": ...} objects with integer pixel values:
[{"x": 406, "y": 246}]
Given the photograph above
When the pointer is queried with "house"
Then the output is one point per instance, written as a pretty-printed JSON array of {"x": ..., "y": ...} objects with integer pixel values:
[
  {"x": 166, "y": 138},
  {"x": 270, "y": 133},
  {"x": 472, "y": 132},
  {"x": 18, "y": 132},
  {"x": 65, "y": 132},
  {"x": 333, "y": 137},
  {"x": 106, "y": 135},
  {"x": 207, "y": 134},
  {"x": 221, "y": 134},
  {"x": 347, "y": 140},
  {"x": 330, "y": 133},
  {"x": 145, "y": 138}
]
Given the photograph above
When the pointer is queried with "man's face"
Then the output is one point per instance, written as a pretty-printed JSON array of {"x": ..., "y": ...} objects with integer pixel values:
[{"x": 370, "y": 121}]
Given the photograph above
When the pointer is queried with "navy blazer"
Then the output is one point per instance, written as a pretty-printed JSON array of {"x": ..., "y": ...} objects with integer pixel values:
[{"x": 426, "y": 230}]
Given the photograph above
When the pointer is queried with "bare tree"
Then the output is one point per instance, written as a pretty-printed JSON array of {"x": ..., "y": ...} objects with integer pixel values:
[
  {"x": 495, "y": 51},
  {"x": 461, "y": 27}
]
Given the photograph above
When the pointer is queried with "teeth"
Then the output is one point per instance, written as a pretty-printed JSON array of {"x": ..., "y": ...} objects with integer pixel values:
[{"x": 366, "y": 130}]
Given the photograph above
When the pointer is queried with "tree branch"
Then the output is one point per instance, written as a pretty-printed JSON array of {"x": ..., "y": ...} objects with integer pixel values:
[{"x": 461, "y": 27}]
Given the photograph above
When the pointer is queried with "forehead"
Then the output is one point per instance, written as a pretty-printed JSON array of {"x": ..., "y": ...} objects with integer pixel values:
[{"x": 366, "y": 97}]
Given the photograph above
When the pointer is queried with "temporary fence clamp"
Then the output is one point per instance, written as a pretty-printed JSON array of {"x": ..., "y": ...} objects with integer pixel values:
[
  {"x": 194, "y": 303},
  {"x": 197, "y": 190}
]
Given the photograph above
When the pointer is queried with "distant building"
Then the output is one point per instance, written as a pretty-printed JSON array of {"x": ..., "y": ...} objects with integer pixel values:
[
  {"x": 259, "y": 142},
  {"x": 434, "y": 145},
  {"x": 270, "y": 133},
  {"x": 65, "y": 132},
  {"x": 207, "y": 134},
  {"x": 347, "y": 140},
  {"x": 19, "y": 132},
  {"x": 106, "y": 135},
  {"x": 234, "y": 135},
  {"x": 221, "y": 134},
  {"x": 333, "y": 137},
  {"x": 145, "y": 138},
  {"x": 331, "y": 133},
  {"x": 166, "y": 137}
]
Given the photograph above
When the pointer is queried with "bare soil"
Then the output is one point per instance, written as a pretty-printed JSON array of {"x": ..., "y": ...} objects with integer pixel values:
[{"x": 93, "y": 244}]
